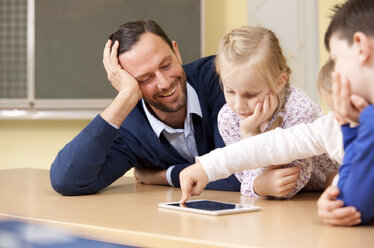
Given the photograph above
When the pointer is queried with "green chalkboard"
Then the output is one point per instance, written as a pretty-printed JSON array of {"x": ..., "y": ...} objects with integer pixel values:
[{"x": 70, "y": 37}]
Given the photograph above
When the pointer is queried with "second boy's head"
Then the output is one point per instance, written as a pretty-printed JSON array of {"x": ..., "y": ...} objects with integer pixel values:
[
  {"x": 350, "y": 40},
  {"x": 324, "y": 82},
  {"x": 251, "y": 64}
]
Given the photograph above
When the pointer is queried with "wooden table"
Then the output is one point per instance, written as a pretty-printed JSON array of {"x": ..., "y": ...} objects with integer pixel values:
[{"x": 127, "y": 213}]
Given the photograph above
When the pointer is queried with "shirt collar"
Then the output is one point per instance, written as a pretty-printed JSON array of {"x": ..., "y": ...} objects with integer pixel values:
[{"x": 193, "y": 107}]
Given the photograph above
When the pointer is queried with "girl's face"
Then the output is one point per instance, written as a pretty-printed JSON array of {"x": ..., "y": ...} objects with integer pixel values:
[{"x": 243, "y": 89}]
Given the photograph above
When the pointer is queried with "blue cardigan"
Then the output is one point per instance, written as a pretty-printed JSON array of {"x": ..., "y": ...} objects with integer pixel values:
[
  {"x": 356, "y": 174},
  {"x": 100, "y": 153}
]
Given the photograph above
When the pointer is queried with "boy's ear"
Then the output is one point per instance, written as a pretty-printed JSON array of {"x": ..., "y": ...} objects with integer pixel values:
[
  {"x": 363, "y": 45},
  {"x": 281, "y": 82},
  {"x": 176, "y": 51}
]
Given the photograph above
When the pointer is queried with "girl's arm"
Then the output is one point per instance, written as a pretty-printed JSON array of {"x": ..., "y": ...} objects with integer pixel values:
[{"x": 279, "y": 146}]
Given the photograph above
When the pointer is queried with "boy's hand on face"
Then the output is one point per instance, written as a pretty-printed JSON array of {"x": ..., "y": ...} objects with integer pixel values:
[
  {"x": 193, "y": 180},
  {"x": 347, "y": 107},
  {"x": 359, "y": 102},
  {"x": 276, "y": 181},
  {"x": 120, "y": 79},
  {"x": 332, "y": 211},
  {"x": 252, "y": 125}
]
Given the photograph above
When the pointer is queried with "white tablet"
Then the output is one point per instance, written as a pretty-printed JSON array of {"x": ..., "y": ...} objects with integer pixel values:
[{"x": 209, "y": 207}]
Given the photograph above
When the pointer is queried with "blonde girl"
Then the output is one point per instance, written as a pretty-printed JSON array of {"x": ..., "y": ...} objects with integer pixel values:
[{"x": 255, "y": 80}]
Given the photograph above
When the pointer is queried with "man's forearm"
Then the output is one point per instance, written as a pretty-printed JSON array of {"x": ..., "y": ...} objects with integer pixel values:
[
  {"x": 78, "y": 167},
  {"x": 120, "y": 108}
]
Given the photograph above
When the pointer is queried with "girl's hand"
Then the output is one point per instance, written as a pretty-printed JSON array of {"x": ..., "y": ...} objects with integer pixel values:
[
  {"x": 251, "y": 125},
  {"x": 276, "y": 181},
  {"x": 332, "y": 211},
  {"x": 120, "y": 79}
]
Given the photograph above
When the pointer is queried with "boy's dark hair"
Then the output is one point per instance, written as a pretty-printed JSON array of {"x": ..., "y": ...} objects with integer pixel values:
[
  {"x": 349, "y": 18},
  {"x": 128, "y": 34}
]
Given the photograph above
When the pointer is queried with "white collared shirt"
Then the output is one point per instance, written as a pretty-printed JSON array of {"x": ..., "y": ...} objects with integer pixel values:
[{"x": 183, "y": 140}]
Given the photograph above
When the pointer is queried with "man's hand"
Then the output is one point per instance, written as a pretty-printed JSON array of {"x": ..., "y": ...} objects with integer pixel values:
[
  {"x": 276, "y": 181},
  {"x": 251, "y": 125},
  {"x": 332, "y": 211},
  {"x": 129, "y": 92},
  {"x": 193, "y": 180},
  {"x": 119, "y": 78},
  {"x": 347, "y": 107},
  {"x": 150, "y": 176}
]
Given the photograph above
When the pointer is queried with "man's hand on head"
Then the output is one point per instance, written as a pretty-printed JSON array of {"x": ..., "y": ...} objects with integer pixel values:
[
  {"x": 119, "y": 78},
  {"x": 129, "y": 92}
]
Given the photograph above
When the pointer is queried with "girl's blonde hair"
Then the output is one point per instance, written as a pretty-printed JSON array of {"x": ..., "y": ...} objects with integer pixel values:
[{"x": 255, "y": 47}]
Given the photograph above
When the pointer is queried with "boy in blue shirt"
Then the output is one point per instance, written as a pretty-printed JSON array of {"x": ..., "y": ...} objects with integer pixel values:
[{"x": 350, "y": 40}]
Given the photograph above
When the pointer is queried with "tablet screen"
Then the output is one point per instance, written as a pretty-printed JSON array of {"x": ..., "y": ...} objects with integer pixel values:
[{"x": 206, "y": 205}]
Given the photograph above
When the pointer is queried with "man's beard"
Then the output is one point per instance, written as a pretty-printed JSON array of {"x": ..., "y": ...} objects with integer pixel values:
[{"x": 175, "y": 106}]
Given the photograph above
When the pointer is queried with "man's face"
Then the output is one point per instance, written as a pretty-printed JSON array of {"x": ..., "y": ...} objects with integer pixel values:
[{"x": 158, "y": 69}]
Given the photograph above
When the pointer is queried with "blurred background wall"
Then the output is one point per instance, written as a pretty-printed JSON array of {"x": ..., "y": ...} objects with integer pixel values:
[{"x": 35, "y": 143}]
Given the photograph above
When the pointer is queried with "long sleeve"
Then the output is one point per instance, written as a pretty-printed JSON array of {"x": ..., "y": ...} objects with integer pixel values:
[
  {"x": 87, "y": 164},
  {"x": 356, "y": 175},
  {"x": 279, "y": 146},
  {"x": 228, "y": 125},
  {"x": 229, "y": 183},
  {"x": 298, "y": 109}
]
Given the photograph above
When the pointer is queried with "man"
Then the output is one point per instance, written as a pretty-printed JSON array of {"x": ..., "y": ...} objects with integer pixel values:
[{"x": 163, "y": 116}]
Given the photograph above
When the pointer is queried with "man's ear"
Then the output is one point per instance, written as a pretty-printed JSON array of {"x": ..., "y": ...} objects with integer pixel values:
[
  {"x": 363, "y": 46},
  {"x": 176, "y": 51},
  {"x": 281, "y": 82}
]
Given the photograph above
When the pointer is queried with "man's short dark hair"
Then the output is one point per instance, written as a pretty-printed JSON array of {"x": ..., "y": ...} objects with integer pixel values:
[
  {"x": 349, "y": 18},
  {"x": 128, "y": 34}
]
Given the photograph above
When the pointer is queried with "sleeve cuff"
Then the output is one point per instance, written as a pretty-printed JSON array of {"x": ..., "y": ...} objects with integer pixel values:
[
  {"x": 168, "y": 175},
  {"x": 175, "y": 170},
  {"x": 247, "y": 186},
  {"x": 113, "y": 125},
  {"x": 335, "y": 180}
]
